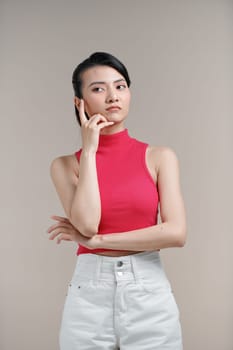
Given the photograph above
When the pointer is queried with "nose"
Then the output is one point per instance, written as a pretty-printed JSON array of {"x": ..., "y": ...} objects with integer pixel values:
[{"x": 112, "y": 97}]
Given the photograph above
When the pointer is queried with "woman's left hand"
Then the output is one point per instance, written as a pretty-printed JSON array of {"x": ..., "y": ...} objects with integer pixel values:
[{"x": 65, "y": 231}]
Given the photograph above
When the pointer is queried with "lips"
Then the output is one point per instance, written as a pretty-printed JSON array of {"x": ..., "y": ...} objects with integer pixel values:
[{"x": 113, "y": 108}]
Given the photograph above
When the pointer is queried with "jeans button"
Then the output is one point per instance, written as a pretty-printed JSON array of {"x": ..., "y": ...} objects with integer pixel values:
[{"x": 119, "y": 263}]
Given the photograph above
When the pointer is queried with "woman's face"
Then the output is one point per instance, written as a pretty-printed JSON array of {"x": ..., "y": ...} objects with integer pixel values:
[{"x": 105, "y": 92}]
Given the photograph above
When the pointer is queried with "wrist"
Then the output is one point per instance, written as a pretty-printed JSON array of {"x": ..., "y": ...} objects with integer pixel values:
[
  {"x": 88, "y": 153},
  {"x": 96, "y": 241}
]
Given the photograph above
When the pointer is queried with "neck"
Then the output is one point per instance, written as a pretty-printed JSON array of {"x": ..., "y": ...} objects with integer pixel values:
[
  {"x": 112, "y": 129},
  {"x": 114, "y": 140}
]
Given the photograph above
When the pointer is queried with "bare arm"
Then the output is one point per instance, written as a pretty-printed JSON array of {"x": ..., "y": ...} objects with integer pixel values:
[
  {"x": 79, "y": 194},
  {"x": 172, "y": 231},
  {"x": 85, "y": 208}
]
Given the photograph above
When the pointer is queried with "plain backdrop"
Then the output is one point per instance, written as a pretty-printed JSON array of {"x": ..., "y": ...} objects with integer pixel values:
[{"x": 179, "y": 56}]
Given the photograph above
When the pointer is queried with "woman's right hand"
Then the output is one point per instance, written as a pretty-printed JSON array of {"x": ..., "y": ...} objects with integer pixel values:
[{"x": 90, "y": 129}]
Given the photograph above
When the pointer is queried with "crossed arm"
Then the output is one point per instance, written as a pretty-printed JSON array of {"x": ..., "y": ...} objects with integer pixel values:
[{"x": 170, "y": 233}]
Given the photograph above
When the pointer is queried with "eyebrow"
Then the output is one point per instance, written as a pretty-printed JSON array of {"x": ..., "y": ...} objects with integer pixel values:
[{"x": 102, "y": 82}]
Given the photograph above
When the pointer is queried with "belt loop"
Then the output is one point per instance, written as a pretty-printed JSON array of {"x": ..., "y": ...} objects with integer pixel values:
[
  {"x": 98, "y": 263},
  {"x": 134, "y": 265}
]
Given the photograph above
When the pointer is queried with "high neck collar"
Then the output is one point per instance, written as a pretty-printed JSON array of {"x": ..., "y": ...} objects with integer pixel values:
[{"x": 118, "y": 139}]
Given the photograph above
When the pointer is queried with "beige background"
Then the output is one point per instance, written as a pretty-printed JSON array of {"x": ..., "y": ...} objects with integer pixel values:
[{"x": 179, "y": 55}]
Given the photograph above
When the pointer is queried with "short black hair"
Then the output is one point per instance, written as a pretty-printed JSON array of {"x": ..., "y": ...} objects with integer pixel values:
[{"x": 96, "y": 59}]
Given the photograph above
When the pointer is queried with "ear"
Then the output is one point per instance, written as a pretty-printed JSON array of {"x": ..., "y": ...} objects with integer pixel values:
[{"x": 77, "y": 101}]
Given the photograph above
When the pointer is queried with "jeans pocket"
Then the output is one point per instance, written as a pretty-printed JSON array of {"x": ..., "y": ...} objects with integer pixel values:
[
  {"x": 155, "y": 287},
  {"x": 78, "y": 286},
  {"x": 163, "y": 294}
]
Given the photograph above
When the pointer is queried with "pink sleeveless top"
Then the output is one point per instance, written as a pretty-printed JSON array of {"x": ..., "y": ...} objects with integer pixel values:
[{"x": 129, "y": 196}]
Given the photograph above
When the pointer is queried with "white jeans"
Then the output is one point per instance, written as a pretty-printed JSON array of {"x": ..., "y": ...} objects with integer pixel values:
[{"x": 120, "y": 302}]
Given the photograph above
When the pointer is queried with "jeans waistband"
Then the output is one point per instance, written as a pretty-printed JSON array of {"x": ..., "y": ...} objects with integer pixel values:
[{"x": 128, "y": 267}]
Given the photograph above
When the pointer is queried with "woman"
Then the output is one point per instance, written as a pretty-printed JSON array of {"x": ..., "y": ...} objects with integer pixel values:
[{"x": 119, "y": 295}]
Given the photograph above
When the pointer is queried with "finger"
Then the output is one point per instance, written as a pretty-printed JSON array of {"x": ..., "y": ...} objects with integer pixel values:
[
  {"x": 53, "y": 227},
  {"x": 99, "y": 120},
  {"x": 59, "y": 218},
  {"x": 104, "y": 125},
  {"x": 58, "y": 231},
  {"x": 55, "y": 234},
  {"x": 63, "y": 237},
  {"x": 83, "y": 118},
  {"x": 59, "y": 225},
  {"x": 95, "y": 119},
  {"x": 60, "y": 221}
]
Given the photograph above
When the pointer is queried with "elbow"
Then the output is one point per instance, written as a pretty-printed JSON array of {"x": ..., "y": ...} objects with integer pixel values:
[
  {"x": 180, "y": 243},
  {"x": 85, "y": 229},
  {"x": 181, "y": 236},
  {"x": 89, "y": 231}
]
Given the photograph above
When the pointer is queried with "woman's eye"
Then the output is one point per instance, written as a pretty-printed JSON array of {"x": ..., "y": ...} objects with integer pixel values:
[
  {"x": 97, "y": 89},
  {"x": 121, "y": 87}
]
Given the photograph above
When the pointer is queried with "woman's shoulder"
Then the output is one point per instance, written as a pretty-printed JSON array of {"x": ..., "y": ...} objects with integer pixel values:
[
  {"x": 158, "y": 154},
  {"x": 68, "y": 162},
  {"x": 161, "y": 150}
]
